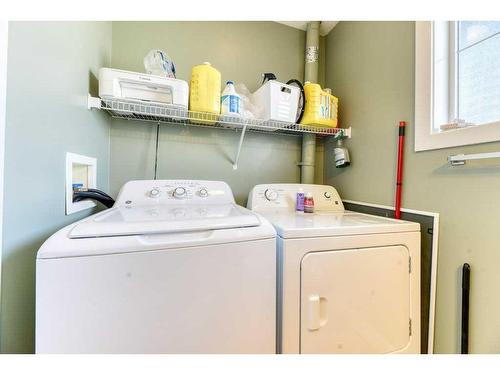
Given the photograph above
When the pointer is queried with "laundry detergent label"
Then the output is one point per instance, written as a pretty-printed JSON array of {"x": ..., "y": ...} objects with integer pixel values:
[{"x": 230, "y": 104}]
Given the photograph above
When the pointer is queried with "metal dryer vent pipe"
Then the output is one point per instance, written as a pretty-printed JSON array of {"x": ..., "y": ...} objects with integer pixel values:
[{"x": 311, "y": 70}]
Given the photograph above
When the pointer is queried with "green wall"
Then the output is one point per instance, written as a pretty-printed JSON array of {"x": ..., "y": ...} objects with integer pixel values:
[
  {"x": 241, "y": 51},
  {"x": 51, "y": 68},
  {"x": 370, "y": 66}
]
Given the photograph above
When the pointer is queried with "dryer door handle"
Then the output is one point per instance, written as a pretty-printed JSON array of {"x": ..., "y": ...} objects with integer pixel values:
[{"x": 317, "y": 316}]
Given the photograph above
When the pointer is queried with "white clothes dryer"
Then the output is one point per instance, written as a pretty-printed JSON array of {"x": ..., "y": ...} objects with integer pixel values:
[{"x": 347, "y": 282}]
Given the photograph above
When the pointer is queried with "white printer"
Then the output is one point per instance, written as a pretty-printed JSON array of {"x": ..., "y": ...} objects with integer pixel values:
[{"x": 122, "y": 84}]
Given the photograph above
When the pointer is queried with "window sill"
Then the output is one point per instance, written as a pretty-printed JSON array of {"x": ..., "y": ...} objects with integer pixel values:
[{"x": 458, "y": 137}]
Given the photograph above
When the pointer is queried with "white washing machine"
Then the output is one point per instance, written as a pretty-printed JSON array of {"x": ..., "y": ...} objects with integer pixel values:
[
  {"x": 174, "y": 267},
  {"x": 347, "y": 282}
]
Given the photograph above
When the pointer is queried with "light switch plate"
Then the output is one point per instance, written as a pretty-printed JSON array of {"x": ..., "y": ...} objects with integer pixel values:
[{"x": 79, "y": 169}]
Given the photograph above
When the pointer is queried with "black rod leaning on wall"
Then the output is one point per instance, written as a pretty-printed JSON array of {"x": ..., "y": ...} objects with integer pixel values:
[{"x": 465, "y": 308}]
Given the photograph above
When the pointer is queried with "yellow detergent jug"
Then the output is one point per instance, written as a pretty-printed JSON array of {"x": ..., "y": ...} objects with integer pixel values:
[
  {"x": 321, "y": 107},
  {"x": 204, "y": 94}
]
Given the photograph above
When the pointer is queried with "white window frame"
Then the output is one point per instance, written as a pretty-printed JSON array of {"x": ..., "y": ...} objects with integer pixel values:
[{"x": 426, "y": 138}]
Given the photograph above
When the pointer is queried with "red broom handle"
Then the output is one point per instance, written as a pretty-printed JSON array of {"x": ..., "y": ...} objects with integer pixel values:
[{"x": 399, "y": 182}]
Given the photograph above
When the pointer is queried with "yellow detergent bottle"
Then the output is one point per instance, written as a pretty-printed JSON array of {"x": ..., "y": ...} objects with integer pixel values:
[
  {"x": 204, "y": 94},
  {"x": 321, "y": 107}
]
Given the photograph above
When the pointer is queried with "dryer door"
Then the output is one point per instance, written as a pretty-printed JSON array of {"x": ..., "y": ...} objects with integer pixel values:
[{"x": 355, "y": 301}]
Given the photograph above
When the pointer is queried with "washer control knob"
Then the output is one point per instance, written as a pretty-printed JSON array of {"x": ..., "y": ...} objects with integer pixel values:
[
  {"x": 327, "y": 195},
  {"x": 203, "y": 192},
  {"x": 154, "y": 193},
  {"x": 271, "y": 194},
  {"x": 179, "y": 192}
]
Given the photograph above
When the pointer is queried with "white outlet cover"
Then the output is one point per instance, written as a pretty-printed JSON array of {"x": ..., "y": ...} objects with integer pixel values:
[{"x": 91, "y": 163}]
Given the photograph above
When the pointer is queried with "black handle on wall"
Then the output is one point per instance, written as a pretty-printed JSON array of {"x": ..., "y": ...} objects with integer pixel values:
[{"x": 465, "y": 308}]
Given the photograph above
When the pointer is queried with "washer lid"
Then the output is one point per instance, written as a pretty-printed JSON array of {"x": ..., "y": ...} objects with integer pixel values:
[
  {"x": 322, "y": 224},
  {"x": 123, "y": 221}
]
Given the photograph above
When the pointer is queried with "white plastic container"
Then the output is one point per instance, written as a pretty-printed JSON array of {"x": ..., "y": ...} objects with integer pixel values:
[
  {"x": 278, "y": 102},
  {"x": 230, "y": 101}
]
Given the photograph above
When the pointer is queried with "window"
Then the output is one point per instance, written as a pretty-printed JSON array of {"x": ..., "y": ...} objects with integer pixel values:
[
  {"x": 478, "y": 71},
  {"x": 457, "y": 83}
]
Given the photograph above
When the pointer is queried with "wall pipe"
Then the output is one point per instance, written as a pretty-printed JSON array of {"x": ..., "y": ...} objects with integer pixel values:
[{"x": 311, "y": 70}]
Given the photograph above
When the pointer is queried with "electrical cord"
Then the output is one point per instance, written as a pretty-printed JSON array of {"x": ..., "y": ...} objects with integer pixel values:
[{"x": 156, "y": 150}]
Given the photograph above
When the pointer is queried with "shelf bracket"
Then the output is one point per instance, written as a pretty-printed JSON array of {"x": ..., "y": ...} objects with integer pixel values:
[
  {"x": 240, "y": 143},
  {"x": 93, "y": 102}
]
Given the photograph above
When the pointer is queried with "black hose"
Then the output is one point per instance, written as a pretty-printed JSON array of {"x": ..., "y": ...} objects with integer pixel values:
[
  {"x": 100, "y": 192},
  {"x": 300, "y": 111},
  {"x": 94, "y": 195}
]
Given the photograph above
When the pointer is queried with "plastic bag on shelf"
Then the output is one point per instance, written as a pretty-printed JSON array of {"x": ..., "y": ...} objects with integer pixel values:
[
  {"x": 159, "y": 63},
  {"x": 249, "y": 109}
]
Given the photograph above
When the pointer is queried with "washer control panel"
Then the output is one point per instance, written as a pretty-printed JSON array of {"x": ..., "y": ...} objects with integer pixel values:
[
  {"x": 271, "y": 194},
  {"x": 147, "y": 192},
  {"x": 284, "y": 196}
]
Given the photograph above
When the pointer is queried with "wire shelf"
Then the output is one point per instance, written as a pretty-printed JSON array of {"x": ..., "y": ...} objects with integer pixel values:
[{"x": 160, "y": 113}]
